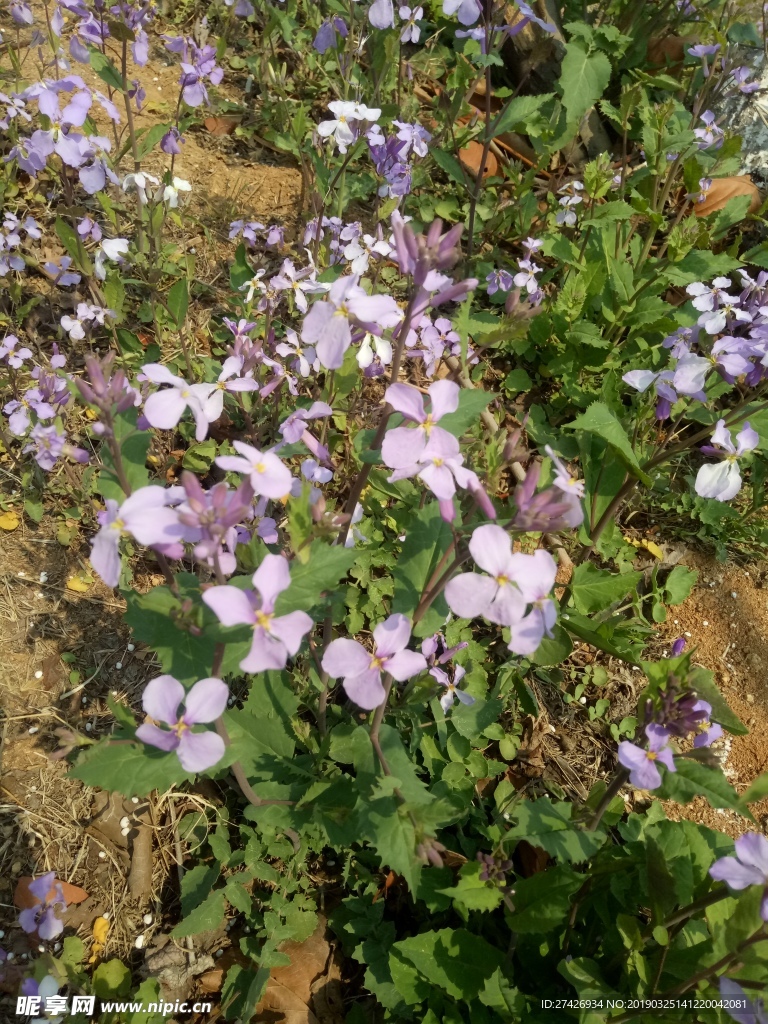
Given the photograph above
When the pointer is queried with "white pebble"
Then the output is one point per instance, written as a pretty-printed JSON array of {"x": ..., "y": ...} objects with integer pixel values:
[
  {"x": 705, "y": 623},
  {"x": 107, "y": 915},
  {"x": 22, "y": 574},
  {"x": 125, "y": 821},
  {"x": 10, "y": 955},
  {"x": 139, "y": 943},
  {"x": 39, "y": 595},
  {"x": 130, "y": 647},
  {"x": 88, "y": 727},
  {"x": 134, "y": 799},
  {"x": 687, "y": 633},
  {"x": 43, "y": 577},
  {"x": 2, "y": 933},
  {"x": 119, "y": 665},
  {"x": 41, "y": 949},
  {"x": 582, "y": 700},
  {"x": 124, "y": 832},
  {"x": 39, "y": 674},
  {"x": 734, "y": 594},
  {"x": 676, "y": 621},
  {"x": 84, "y": 700},
  {"x": 219, "y": 952},
  {"x": 102, "y": 855},
  {"x": 33, "y": 729},
  {"x": 56, "y": 947},
  {"x": 147, "y": 919}
]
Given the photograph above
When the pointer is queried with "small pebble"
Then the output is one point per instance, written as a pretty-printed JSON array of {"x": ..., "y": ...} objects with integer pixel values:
[
  {"x": 39, "y": 674},
  {"x": 134, "y": 799},
  {"x": 750, "y": 698},
  {"x": 43, "y": 577},
  {"x": 125, "y": 821},
  {"x": 33, "y": 729},
  {"x": 88, "y": 727},
  {"x": 41, "y": 949},
  {"x": 10, "y": 955},
  {"x": 582, "y": 700},
  {"x": 25, "y": 956},
  {"x": 107, "y": 915},
  {"x": 84, "y": 700},
  {"x": 676, "y": 621},
  {"x": 102, "y": 855},
  {"x": 130, "y": 647},
  {"x": 219, "y": 952},
  {"x": 687, "y": 633},
  {"x": 124, "y": 832},
  {"x": 147, "y": 919},
  {"x": 139, "y": 942},
  {"x": 119, "y": 665},
  {"x": 705, "y": 623},
  {"x": 2, "y": 934},
  {"x": 734, "y": 594},
  {"x": 56, "y": 947},
  {"x": 22, "y": 574},
  {"x": 39, "y": 595}
]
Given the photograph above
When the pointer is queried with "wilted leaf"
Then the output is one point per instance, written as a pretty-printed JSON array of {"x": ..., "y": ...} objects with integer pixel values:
[
  {"x": 100, "y": 932},
  {"x": 222, "y": 125},
  {"x": 24, "y": 899},
  {"x": 471, "y": 156},
  {"x": 722, "y": 190},
  {"x": 80, "y": 583},
  {"x": 666, "y": 51},
  {"x": 9, "y": 521}
]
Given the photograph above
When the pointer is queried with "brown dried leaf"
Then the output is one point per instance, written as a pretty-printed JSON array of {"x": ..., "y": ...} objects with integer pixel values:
[
  {"x": 289, "y": 990},
  {"x": 724, "y": 189},
  {"x": 667, "y": 51},
  {"x": 224, "y": 125},
  {"x": 24, "y": 899},
  {"x": 471, "y": 156}
]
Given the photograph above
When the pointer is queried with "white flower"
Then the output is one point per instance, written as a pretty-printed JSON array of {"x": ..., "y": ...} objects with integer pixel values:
[
  {"x": 171, "y": 192},
  {"x": 255, "y": 284},
  {"x": 110, "y": 249},
  {"x": 383, "y": 349},
  {"x": 360, "y": 250},
  {"x": 140, "y": 181}
]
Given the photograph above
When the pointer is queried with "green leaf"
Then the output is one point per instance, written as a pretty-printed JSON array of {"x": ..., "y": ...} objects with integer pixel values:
[
  {"x": 555, "y": 649},
  {"x": 105, "y": 69},
  {"x": 114, "y": 294},
  {"x": 610, "y": 213},
  {"x": 261, "y": 734},
  {"x": 242, "y": 991},
  {"x": 427, "y": 536},
  {"x": 157, "y": 621},
  {"x": 598, "y": 419},
  {"x": 206, "y": 916},
  {"x": 516, "y": 113},
  {"x": 757, "y": 791},
  {"x": 448, "y": 163},
  {"x": 178, "y": 302},
  {"x": 199, "y": 457},
  {"x": 693, "y": 779},
  {"x": 150, "y": 138},
  {"x": 454, "y": 960},
  {"x": 110, "y": 979},
  {"x": 128, "y": 768},
  {"x": 543, "y": 901},
  {"x": 679, "y": 584},
  {"x": 584, "y": 77},
  {"x": 469, "y": 720},
  {"x": 595, "y": 589},
  {"x": 702, "y": 681},
  {"x": 240, "y": 271},
  {"x": 548, "y": 825},
  {"x": 472, "y": 892},
  {"x": 389, "y": 827},
  {"x": 74, "y": 246},
  {"x": 134, "y": 446},
  {"x": 700, "y": 265},
  {"x": 324, "y": 567},
  {"x": 471, "y": 404},
  {"x": 196, "y": 883}
]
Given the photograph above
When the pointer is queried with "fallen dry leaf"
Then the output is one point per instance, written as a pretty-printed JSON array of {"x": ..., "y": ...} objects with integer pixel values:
[
  {"x": 472, "y": 154},
  {"x": 80, "y": 584},
  {"x": 724, "y": 189},
  {"x": 223, "y": 125},
  {"x": 9, "y": 521},
  {"x": 24, "y": 899},
  {"x": 290, "y": 989},
  {"x": 667, "y": 51},
  {"x": 100, "y": 932}
]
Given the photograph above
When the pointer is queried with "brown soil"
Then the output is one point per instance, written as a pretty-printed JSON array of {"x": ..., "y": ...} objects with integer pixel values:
[{"x": 725, "y": 620}]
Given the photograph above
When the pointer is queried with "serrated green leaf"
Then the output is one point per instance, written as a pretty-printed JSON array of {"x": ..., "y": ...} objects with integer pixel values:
[
  {"x": 471, "y": 404},
  {"x": 427, "y": 536},
  {"x": 548, "y": 825},
  {"x": 595, "y": 589},
  {"x": 206, "y": 916},
  {"x": 110, "y": 979},
  {"x": 543, "y": 901},
  {"x": 324, "y": 567},
  {"x": 454, "y": 960},
  {"x": 598, "y": 419},
  {"x": 129, "y": 768},
  {"x": 105, "y": 69},
  {"x": 517, "y": 112},
  {"x": 692, "y": 779},
  {"x": 584, "y": 76}
]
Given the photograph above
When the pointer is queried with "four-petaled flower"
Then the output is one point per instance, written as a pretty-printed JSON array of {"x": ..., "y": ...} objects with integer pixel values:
[
  {"x": 722, "y": 480},
  {"x": 275, "y": 637},
  {"x": 641, "y": 762},
  {"x": 404, "y": 446},
  {"x": 41, "y": 918},
  {"x": 268, "y": 474},
  {"x": 748, "y": 867},
  {"x": 204, "y": 703},
  {"x": 361, "y": 670}
]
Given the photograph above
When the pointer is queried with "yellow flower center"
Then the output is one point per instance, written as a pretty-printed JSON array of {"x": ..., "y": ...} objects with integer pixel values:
[
  {"x": 377, "y": 662},
  {"x": 263, "y": 619}
]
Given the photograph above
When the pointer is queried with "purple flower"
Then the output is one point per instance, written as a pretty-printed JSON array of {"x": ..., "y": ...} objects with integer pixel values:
[
  {"x": 499, "y": 281},
  {"x": 172, "y": 142},
  {"x": 707, "y": 732},
  {"x": 193, "y": 75},
  {"x": 564, "y": 479},
  {"x": 468, "y": 11},
  {"x": 678, "y": 647},
  {"x": 404, "y": 446},
  {"x": 710, "y": 134},
  {"x": 733, "y": 995},
  {"x": 528, "y": 16},
  {"x": 748, "y": 867},
  {"x": 452, "y": 691},
  {"x": 10, "y": 352},
  {"x": 361, "y": 670},
  {"x": 60, "y": 272},
  {"x": 48, "y": 445},
  {"x": 42, "y": 917},
  {"x": 95, "y": 175},
  {"x": 145, "y": 517},
  {"x": 301, "y": 283},
  {"x": 381, "y": 14},
  {"x": 328, "y": 325},
  {"x": 642, "y": 763},
  {"x": 211, "y": 518},
  {"x": 411, "y": 31},
  {"x": 722, "y": 480},
  {"x": 739, "y": 77},
  {"x": 514, "y": 581},
  {"x": 703, "y": 50},
  {"x": 268, "y": 474},
  {"x": 205, "y": 702},
  {"x": 294, "y": 427},
  {"x": 327, "y": 33},
  {"x": 275, "y": 637},
  {"x": 415, "y": 137},
  {"x": 58, "y": 138}
]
